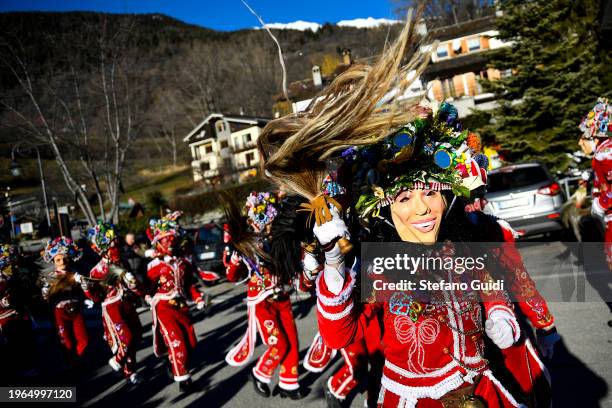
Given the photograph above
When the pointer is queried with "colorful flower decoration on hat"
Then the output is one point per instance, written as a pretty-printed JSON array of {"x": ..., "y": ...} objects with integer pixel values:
[
  {"x": 102, "y": 236},
  {"x": 261, "y": 209},
  {"x": 8, "y": 258},
  {"x": 432, "y": 152},
  {"x": 62, "y": 246},
  {"x": 597, "y": 122},
  {"x": 165, "y": 226}
]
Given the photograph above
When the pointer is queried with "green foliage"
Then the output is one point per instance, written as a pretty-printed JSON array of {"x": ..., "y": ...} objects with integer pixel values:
[{"x": 559, "y": 69}]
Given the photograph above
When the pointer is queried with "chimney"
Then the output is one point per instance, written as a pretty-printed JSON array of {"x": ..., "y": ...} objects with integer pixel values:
[
  {"x": 316, "y": 76},
  {"x": 346, "y": 56}
]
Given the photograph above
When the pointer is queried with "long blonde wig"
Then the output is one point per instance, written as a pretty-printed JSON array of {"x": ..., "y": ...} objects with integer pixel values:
[{"x": 361, "y": 106}]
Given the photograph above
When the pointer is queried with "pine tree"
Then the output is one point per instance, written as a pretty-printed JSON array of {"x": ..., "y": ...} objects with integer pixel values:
[{"x": 558, "y": 71}]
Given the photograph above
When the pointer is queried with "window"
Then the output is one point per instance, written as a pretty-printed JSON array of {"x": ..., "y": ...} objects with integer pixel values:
[
  {"x": 206, "y": 149},
  {"x": 442, "y": 51},
  {"x": 204, "y": 166},
  {"x": 512, "y": 178},
  {"x": 196, "y": 153},
  {"x": 250, "y": 157},
  {"x": 474, "y": 44},
  {"x": 220, "y": 126},
  {"x": 246, "y": 139},
  {"x": 224, "y": 144},
  {"x": 227, "y": 163}
]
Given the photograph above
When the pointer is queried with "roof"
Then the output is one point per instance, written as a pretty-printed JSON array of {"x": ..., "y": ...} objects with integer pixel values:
[
  {"x": 457, "y": 65},
  {"x": 213, "y": 117},
  {"x": 463, "y": 29}
]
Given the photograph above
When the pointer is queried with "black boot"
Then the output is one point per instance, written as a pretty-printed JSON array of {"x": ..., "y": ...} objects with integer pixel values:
[
  {"x": 186, "y": 386},
  {"x": 293, "y": 394},
  {"x": 260, "y": 387},
  {"x": 332, "y": 400}
]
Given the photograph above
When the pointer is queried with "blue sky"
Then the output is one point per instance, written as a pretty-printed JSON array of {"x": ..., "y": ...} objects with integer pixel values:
[{"x": 221, "y": 14}]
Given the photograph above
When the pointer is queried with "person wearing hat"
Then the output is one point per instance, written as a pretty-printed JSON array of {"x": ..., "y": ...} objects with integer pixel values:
[
  {"x": 63, "y": 289},
  {"x": 174, "y": 283},
  {"x": 114, "y": 285},
  {"x": 268, "y": 302},
  {"x": 595, "y": 141}
]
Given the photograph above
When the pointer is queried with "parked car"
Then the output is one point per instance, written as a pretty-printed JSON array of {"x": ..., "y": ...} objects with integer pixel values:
[
  {"x": 527, "y": 196},
  {"x": 208, "y": 247}
]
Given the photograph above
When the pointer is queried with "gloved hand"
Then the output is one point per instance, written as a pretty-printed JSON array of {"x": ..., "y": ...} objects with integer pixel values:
[
  {"x": 334, "y": 259},
  {"x": 311, "y": 265},
  {"x": 547, "y": 340},
  {"x": 236, "y": 258},
  {"x": 200, "y": 304},
  {"x": 78, "y": 278},
  {"x": 328, "y": 231},
  {"x": 502, "y": 328},
  {"x": 5, "y": 302},
  {"x": 89, "y": 303},
  {"x": 147, "y": 299},
  {"x": 130, "y": 280}
]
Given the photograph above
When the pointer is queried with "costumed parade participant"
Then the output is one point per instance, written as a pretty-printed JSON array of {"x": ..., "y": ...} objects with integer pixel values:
[
  {"x": 16, "y": 338},
  {"x": 113, "y": 288},
  {"x": 595, "y": 140},
  {"x": 268, "y": 303},
  {"x": 358, "y": 356},
  {"x": 401, "y": 165},
  {"x": 64, "y": 290},
  {"x": 174, "y": 283}
]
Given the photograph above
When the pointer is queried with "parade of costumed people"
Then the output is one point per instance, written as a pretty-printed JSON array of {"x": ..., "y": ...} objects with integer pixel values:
[
  {"x": 408, "y": 172},
  {"x": 268, "y": 304},
  {"x": 16, "y": 337},
  {"x": 113, "y": 283},
  {"x": 64, "y": 290},
  {"x": 173, "y": 283}
]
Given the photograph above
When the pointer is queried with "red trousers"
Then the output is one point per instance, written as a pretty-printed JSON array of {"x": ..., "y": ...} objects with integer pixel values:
[
  {"x": 71, "y": 331},
  {"x": 278, "y": 332},
  {"x": 122, "y": 332},
  {"x": 173, "y": 323},
  {"x": 347, "y": 377}
]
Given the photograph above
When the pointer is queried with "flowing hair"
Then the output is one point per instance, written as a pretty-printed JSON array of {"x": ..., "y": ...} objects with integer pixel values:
[
  {"x": 360, "y": 107},
  {"x": 243, "y": 239}
]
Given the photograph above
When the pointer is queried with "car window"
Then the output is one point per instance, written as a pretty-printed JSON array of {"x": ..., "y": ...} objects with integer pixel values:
[
  {"x": 515, "y": 178},
  {"x": 209, "y": 234}
]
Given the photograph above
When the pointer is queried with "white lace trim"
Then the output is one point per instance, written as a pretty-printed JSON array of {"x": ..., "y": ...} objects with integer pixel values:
[
  {"x": 340, "y": 297},
  {"x": 413, "y": 394},
  {"x": 335, "y": 316}
]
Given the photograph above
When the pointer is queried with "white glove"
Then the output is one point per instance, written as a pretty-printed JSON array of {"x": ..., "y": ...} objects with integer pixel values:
[
  {"x": 502, "y": 329},
  {"x": 235, "y": 259},
  {"x": 334, "y": 260},
  {"x": 310, "y": 264},
  {"x": 200, "y": 305},
  {"x": 331, "y": 230},
  {"x": 130, "y": 280},
  {"x": 147, "y": 299},
  {"x": 89, "y": 303},
  {"x": 78, "y": 278},
  {"x": 4, "y": 302}
]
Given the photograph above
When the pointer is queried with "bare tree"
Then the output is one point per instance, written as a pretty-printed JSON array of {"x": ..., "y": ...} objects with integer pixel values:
[{"x": 63, "y": 111}]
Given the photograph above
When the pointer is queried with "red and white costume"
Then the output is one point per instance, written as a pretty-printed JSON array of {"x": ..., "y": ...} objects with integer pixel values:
[
  {"x": 602, "y": 190},
  {"x": 122, "y": 328},
  {"x": 270, "y": 314},
  {"x": 172, "y": 328},
  {"x": 428, "y": 358},
  {"x": 66, "y": 297}
]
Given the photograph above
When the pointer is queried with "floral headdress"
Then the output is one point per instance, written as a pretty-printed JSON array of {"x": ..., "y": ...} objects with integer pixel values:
[
  {"x": 8, "y": 258},
  {"x": 165, "y": 226},
  {"x": 102, "y": 236},
  {"x": 432, "y": 152},
  {"x": 62, "y": 245},
  {"x": 261, "y": 209},
  {"x": 597, "y": 122}
]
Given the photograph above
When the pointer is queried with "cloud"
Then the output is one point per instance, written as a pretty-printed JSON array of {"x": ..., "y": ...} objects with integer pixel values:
[{"x": 369, "y": 22}]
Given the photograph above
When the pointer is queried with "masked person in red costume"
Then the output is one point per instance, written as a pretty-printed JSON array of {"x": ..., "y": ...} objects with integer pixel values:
[
  {"x": 595, "y": 140},
  {"x": 174, "y": 282},
  {"x": 64, "y": 290},
  {"x": 400, "y": 165},
  {"x": 268, "y": 303},
  {"x": 114, "y": 286}
]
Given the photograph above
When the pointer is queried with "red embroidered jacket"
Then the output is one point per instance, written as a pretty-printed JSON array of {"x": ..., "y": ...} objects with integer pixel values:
[
  {"x": 261, "y": 283},
  {"x": 425, "y": 358},
  {"x": 174, "y": 278},
  {"x": 113, "y": 287},
  {"x": 602, "y": 172}
]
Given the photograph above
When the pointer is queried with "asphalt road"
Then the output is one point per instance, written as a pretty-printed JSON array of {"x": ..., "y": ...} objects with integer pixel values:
[{"x": 581, "y": 368}]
